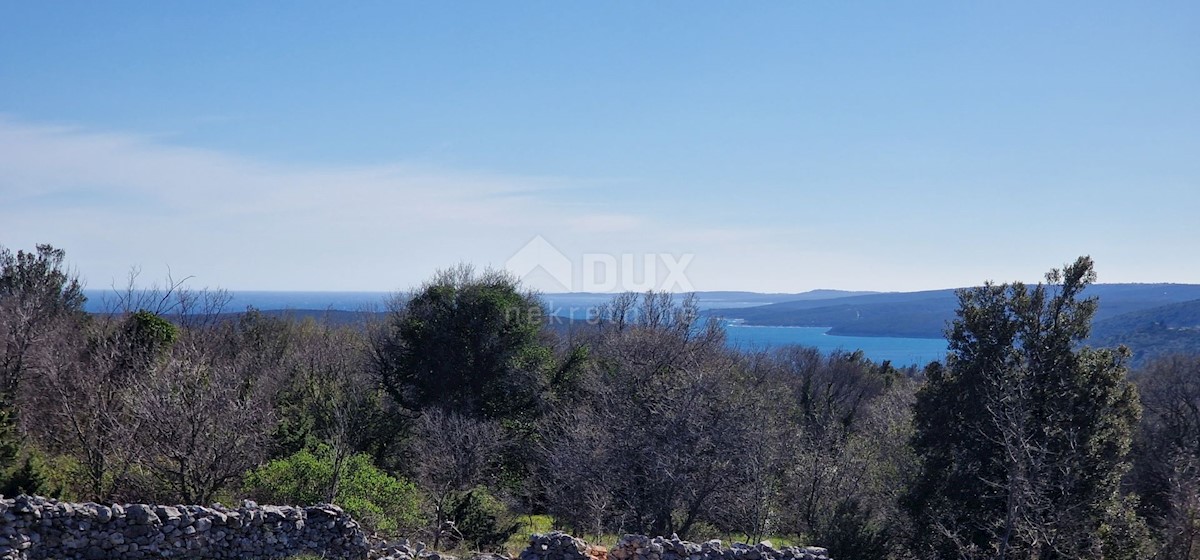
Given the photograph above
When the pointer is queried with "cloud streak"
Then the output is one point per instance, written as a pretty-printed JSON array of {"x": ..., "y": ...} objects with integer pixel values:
[{"x": 116, "y": 200}]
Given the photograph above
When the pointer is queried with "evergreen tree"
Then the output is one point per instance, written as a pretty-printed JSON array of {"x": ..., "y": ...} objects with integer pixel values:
[
  {"x": 467, "y": 343},
  {"x": 1023, "y": 435}
]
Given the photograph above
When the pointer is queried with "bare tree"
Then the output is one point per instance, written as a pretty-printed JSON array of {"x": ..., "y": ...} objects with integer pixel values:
[
  {"x": 577, "y": 473},
  {"x": 39, "y": 298},
  {"x": 457, "y": 453},
  {"x": 669, "y": 416},
  {"x": 1166, "y": 471},
  {"x": 844, "y": 429},
  {"x": 204, "y": 420},
  {"x": 84, "y": 401}
]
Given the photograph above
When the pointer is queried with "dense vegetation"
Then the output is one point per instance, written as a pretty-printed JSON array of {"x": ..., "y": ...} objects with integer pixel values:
[
  {"x": 458, "y": 413},
  {"x": 1160, "y": 331}
]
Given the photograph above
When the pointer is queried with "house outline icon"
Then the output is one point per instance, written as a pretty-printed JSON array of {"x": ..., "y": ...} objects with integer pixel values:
[{"x": 537, "y": 254}]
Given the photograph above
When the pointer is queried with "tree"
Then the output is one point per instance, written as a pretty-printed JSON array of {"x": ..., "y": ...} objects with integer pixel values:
[
  {"x": 1166, "y": 471},
  {"x": 205, "y": 412},
  {"x": 856, "y": 413},
  {"x": 660, "y": 430},
  {"x": 39, "y": 301},
  {"x": 327, "y": 395},
  {"x": 467, "y": 343},
  {"x": 36, "y": 293},
  {"x": 1023, "y": 435},
  {"x": 86, "y": 396},
  {"x": 458, "y": 454}
]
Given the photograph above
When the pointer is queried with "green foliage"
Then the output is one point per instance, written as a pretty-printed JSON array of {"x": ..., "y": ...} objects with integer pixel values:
[
  {"x": 10, "y": 441},
  {"x": 1124, "y": 535},
  {"x": 852, "y": 534},
  {"x": 296, "y": 429},
  {"x": 151, "y": 329},
  {"x": 35, "y": 472},
  {"x": 470, "y": 344},
  {"x": 1153, "y": 333},
  {"x": 25, "y": 477},
  {"x": 143, "y": 340},
  {"x": 529, "y": 525},
  {"x": 328, "y": 393},
  {"x": 40, "y": 277},
  {"x": 482, "y": 521},
  {"x": 1023, "y": 436},
  {"x": 374, "y": 498}
]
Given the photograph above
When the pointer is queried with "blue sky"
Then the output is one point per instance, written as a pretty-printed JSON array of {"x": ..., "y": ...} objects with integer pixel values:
[{"x": 777, "y": 146}]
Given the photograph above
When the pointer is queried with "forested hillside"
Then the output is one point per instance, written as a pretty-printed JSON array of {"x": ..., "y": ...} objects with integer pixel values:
[
  {"x": 1159, "y": 331},
  {"x": 1152, "y": 319}
]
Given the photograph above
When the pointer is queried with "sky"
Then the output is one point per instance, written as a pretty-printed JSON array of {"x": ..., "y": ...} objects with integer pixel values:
[{"x": 603, "y": 146}]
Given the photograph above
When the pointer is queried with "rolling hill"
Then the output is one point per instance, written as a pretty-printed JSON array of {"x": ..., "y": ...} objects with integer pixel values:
[
  {"x": 1167, "y": 329},
  {"x": 925, "y": 314}
]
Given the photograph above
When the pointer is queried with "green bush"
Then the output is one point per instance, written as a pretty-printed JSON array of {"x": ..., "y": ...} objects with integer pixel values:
[
  {"x": 36, "y": 472},
  {"x": 24, "y": 477},
  {"x": 151, "y": 330},
  {"x": 483, "y": 522},
  {"x": 850, "y": 533},
  {"x": 375, "y": 499}
]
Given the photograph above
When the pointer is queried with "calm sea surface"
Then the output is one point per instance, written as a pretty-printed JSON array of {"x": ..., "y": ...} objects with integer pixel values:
[{"x": 901, "y": 351}]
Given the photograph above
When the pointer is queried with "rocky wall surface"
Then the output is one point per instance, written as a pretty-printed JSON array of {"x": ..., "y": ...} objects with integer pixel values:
[
  {"x": 34, "y": 528},
  {"x": 561, "y": 546}
]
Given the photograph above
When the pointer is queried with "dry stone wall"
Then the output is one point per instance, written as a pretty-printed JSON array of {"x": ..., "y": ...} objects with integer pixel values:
[
  {"x": 561, "y": 546},
  {"x": 35, "y": 528}
]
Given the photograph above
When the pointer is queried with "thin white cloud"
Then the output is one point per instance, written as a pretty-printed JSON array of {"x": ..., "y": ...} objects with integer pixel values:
[
  {"x": 116, "y": 200},
  {"x": 41, "y": 161}
]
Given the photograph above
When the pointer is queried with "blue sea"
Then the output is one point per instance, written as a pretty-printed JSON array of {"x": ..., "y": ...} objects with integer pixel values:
[{"x": 900, "y": 351}]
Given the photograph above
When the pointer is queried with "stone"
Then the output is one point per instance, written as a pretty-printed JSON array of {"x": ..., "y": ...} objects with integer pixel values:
[
  {"x": 33, "y": 527},
  {"x": 167, "y": 514},
  {"x": 140, "y": 514},
  {"x": 639, "y": 547}
]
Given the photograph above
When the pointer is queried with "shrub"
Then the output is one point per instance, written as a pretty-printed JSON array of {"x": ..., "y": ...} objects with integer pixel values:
[
  {"x": 377, "y": 500},
  {"x": 37, "y": 472},
  {"x": 483, "y": 522}
]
